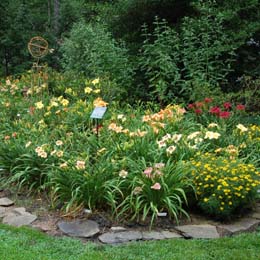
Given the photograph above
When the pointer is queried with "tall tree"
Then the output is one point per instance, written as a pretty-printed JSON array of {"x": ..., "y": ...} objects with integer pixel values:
[
  {"x": 56, "y": 16},
  {"x": 4, "y": 57}
]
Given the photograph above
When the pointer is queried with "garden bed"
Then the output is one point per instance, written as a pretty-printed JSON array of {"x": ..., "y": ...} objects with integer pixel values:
[{"x": 135, "y": 162}]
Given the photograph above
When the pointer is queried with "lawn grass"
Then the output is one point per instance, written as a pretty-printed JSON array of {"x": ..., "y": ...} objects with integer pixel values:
[{"x": 27, "y": 244}]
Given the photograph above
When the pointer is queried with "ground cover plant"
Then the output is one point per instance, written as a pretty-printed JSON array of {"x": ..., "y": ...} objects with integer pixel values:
[{"x": 138, "y": 161}]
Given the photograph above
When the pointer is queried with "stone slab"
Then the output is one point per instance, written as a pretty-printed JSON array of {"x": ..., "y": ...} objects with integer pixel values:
[
  {"x": 117, "y": 229},
  {"x": 170, "y": 235},
  {"x": 20, "y": 211},
  {"x": 44, "y": 226},
  {"x": 12, "y": 212},
  {"x": 5, "y": 202},
  {"x": 198, "y": 231},
  {"x": 257, "y": 209},
  {"x": 9, "y": 214},
  {"x": 240, "y": 226},
  {"x": 152, "y": 235},
  {"x": 120, "y": 237},
  {"x": 256, "y": 215},
  {"x": 21, "y": 220},
  {"x": 79, "y": 228},
  {"x": 2, "y": 212}
]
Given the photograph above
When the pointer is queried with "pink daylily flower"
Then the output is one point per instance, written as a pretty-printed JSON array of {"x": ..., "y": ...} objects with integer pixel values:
[{"x": 156, "y": 186}]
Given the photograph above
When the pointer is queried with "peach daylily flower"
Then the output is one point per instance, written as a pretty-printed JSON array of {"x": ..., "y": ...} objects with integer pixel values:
[
  {"x": 42, "y": 154},
  {"x": 211, "y": 135},
  {"x": 59, "y": 153},
  {"x": 140, "y": 133},
  {"x": 137, "y": 190},
  {"x": 170, "y": 149},
  {"x": 193, "y": 135},
  {"x": 112, "y": 126},
  {"x": 115, "y": 128},
  {"x": 155, "y": 130},
  {"x": 38, "y": 149},
  {"x": 157, "y": 172},
  {"x": 8, "y": 82},
  {"x": 120, "y": 116},
  {"x": 123, "y": 174},
  {"x": 159, "y": 165},
  {"x": 99, "y": 102},
  {"x": 176, "y": 138},
  {"x": 146, "y": 118},
  {"x": 161, "y": 143},
  {"x": 125, "y": 131},
  {"x": 59, "y": 143},
  {"x": 80, "y": 165},
  {"x": 63, "y": 165},
  {"x": 180, "y": 111},
  {"x": 166, "y": 137},
  {"x": 53, "y": 152}
]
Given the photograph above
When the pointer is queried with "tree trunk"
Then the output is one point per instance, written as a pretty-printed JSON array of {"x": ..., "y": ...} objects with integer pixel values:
[
  {"x": 49, "y": 14},
  {"x": 6, "y": 61},
  {"x": 56, "y": 17}
]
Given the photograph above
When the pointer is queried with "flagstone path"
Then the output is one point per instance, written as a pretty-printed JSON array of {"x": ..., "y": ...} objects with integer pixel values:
[{"x": 87, "y": 229}]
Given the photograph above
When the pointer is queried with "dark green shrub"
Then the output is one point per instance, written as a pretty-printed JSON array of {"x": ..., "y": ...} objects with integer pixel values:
[
  {"x": 91, "y": 50},
  {"x": 248, "y": 92},
  {"x": 159, "y": 61},
  {"x": 188, "y": 64},
  {"x": 129, "y": 15}
]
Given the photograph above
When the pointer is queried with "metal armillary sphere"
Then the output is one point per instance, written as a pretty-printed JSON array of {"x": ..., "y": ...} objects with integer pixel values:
[{"x": 38, "y": 47}]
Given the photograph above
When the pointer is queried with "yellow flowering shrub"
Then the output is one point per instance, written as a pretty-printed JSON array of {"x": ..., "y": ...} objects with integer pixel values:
[
  {"x": 224, "y": 185},
  {"x": 253, "y": 133}
]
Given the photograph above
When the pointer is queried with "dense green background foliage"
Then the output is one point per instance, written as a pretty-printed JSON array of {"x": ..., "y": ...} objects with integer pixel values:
[
  {"x": 202, "y": 45},
  {"x": 91, "y": 50}
]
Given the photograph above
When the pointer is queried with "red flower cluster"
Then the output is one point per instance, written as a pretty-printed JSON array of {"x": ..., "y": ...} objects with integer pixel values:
[
  {"x": 217, "y": 111},
  {"x": 240, "y": 107},
  {"x": 227, "y": 105},
  {"x": 203, "y": 106},
  {"x": 224, "y": 114}
]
